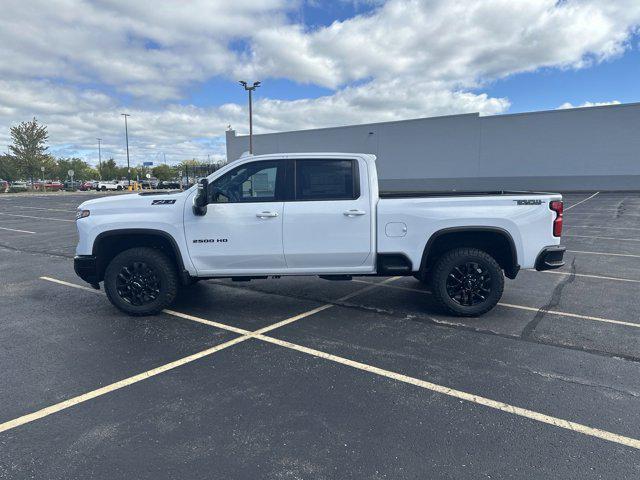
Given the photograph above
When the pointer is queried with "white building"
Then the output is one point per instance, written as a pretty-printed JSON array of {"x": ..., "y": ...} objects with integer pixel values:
[{"x": 594, "y": 148}]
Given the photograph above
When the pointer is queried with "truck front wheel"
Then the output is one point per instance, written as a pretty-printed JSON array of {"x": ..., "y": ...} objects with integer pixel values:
[
  {"x": 141, "y": 281},
  {"x": 467, "y": 282}
]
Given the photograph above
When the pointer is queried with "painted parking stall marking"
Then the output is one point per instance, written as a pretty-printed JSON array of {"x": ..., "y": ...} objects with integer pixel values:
[
  {"x": 38, "y": 218},
  {"x": 245, "y": 335},
  {"x": 258, "y": 335},
  {"x": 532, "y": 309},
  {"x": 15, "y": 230},
  {"x": 581, "y": 202},
  {"x": 604, "y": 253}
]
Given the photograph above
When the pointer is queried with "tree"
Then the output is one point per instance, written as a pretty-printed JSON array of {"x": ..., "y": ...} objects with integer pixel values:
[
  {"x": 108, "y": 169},
  {"x": 8, "y": 168},
  {"x": 164, "y": 172},
  {"x": 29, "y": 147},
  {"x": 82, "y": 170}
]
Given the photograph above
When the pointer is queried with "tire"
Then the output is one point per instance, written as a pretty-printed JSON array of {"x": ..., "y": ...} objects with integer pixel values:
[
  {"x": 118, "y": 188},
  {"x": 103, "y": 188},
  {"x": 141, "y": 281},
  {"x": 467, "y": 282}
]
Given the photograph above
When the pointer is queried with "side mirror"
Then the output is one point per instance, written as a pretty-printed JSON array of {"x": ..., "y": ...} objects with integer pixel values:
[{"x": 201, "y": 200}]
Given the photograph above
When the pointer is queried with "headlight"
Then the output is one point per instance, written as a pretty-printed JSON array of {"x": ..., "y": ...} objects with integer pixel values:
[{"x": 82, "y": 214}]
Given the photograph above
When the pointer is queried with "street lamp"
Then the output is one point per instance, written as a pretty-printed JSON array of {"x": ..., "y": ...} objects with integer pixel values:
[
  {"x": 250, "y": 89},
  {"x": 126, "y": 134},
  {"x": 99, "y": 159}
]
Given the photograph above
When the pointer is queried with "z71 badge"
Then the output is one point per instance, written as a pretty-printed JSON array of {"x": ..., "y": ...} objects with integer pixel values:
[
  {"x": 528, "y": 202},
  {"x": 163, "y": 202}
]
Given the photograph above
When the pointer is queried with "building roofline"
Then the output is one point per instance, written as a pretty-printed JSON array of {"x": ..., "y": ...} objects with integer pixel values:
[
  {"x": 439, "y": 117},
  {"x": 374, "y": 124}
]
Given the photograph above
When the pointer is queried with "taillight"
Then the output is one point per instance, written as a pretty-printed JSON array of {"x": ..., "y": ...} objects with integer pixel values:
[{"x": 557, "y": 207}]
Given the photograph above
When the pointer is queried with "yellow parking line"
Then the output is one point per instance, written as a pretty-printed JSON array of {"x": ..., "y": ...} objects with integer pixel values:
[
  {"x": 586, "y": 275},
  {"x": 441, "y": 389},
  {"x": 532, "y": 309},
  {"x": 246, "y": 334},
  {"x": 604, "y": 253},
  {"x": 600, "y": 228},
  {"x": 115, "y": 386},
  {"x": 42, "y": 208},
  {"x": 580, "y": 202},
  {"x": 39, "y": 218},
  {"x": 604, "y": 238},
  {"x": 469, "y": 397},
  {"x": 15, "y": 230}
]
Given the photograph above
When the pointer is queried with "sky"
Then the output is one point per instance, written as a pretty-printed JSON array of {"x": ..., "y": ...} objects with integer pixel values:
[{"x": 174, "y": 66}]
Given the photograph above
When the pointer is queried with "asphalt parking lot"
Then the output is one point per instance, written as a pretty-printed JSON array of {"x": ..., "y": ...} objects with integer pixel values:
[{"x": 306, "y": 378}]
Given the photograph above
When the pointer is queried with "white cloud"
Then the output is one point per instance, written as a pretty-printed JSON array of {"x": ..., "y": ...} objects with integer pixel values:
[
  {"x": 70, "y": 63},
  {"x": 567, "y": 105}
]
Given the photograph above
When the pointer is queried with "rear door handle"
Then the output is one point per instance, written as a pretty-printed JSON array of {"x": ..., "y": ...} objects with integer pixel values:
[
  {"x": 354, "y": 213},
  {"x": 267, "y": 214}
]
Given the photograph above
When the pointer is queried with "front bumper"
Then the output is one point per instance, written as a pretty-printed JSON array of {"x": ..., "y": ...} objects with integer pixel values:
[
  {"x": 86, "y": 267},
  {"x": 550, "y": 258}
]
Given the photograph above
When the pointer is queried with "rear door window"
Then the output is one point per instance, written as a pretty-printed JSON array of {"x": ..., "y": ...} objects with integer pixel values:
[{"x": 326, "y": 180}]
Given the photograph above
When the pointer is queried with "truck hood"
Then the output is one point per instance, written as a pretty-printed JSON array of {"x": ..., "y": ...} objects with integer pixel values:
[{"x": 134, "y": 200}]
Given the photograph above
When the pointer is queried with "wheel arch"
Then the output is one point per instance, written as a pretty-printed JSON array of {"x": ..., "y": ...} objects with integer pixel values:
[
  {"x": 110, "y": 243},
  {"x": 496, "y": 241}
]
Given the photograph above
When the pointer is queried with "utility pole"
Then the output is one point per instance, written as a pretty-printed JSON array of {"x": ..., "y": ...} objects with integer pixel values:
[
  {"x": 99, "y": 159},
  {"x": 250, "y": 89},
  {"x": 126, "y": 134}
]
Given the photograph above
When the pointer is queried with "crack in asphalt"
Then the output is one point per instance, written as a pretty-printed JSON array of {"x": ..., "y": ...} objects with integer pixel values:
[
  {"x": 620, "y": 209},
  {"x": 554, "y": 301},
  {"x": 584, "y": 383},
  {"x": 427, "y": 319}
]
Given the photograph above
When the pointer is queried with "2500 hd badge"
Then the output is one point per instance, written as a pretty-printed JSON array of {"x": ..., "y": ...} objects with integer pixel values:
[{"x": 210, "y": 240}]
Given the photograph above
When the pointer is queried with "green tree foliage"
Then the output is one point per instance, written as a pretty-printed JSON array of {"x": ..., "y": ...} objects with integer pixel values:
[
  {"x": 164, "y": 172},
  {"x": 82, "y": 170},
  {"x": 8, "y": 168},
  {"x": 29, "y": 148},
  {"x": 108, "y": 169}
]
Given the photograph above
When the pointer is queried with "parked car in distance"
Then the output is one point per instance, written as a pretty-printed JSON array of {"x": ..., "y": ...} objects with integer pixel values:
[
  {"x": 19, "y": 186},
  {"x": 149, "y": 183},
  {"x": 169, "y": 185},
  {"x": 88, "y": 185},
  {"x": 103, "y": 186},
  {"x": 49, "y": 185}
]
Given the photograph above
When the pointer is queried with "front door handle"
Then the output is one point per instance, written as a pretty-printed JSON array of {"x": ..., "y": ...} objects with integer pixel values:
[
  {"x": 267, "y": 214},
  {"x": 354, "y": 213}
]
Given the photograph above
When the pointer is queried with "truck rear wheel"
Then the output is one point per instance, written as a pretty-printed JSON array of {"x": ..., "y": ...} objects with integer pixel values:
[
  {"x": 141, "y": 281},
  {"x": 467, "y": 282}
]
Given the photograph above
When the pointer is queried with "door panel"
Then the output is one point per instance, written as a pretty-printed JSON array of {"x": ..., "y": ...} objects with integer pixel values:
[
  {"x": 322, "y": 228},
  {"x": 237, "y": 236},
  {"x": 241, "y": 232}
]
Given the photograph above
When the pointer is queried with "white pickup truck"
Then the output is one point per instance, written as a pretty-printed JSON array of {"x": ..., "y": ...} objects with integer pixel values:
[{"x": 314, "y": 214}]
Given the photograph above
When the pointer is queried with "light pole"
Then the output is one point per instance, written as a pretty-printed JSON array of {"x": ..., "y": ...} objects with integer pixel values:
[
  {"x": 126, "y": 135},
  {"x": 99, "y": 159},
  {"x": 250, "y": 89}
]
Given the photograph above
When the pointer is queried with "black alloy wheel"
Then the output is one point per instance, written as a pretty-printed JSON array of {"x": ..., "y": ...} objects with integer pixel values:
[
  {"x": 141, "y": 281},
  {"x": 466, "y": 281},
  {"x": 468, "y": 284},
  {"x": 138, "y": 284}
]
